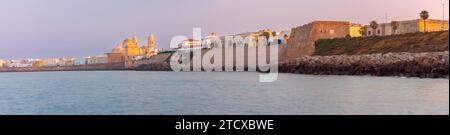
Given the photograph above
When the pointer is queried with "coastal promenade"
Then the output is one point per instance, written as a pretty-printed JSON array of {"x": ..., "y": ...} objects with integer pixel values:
[
  {"x": 91, "y": 67},
  {"x": 423, "y": 65}
]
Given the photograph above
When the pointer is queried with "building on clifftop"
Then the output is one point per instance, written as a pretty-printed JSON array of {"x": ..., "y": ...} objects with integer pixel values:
[{"x": 404, "y": 27}]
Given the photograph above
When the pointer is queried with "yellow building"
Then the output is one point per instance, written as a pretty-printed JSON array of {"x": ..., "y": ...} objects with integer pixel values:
[
  {"x": 38, "y": 63},
  {"x": 117, "y": 54},
  {"x": 130, "y": 49},
  {"x": 150, "y": 49},
  {"x": 356, "y": 30},
  {"x": 432, "y": 25},
  {"x": 118, "y": 49},
  {"x": 2, "y": 63}
]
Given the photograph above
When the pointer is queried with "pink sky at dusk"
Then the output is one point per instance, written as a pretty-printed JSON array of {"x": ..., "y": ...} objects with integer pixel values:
[{"x": 77, "y": 28}]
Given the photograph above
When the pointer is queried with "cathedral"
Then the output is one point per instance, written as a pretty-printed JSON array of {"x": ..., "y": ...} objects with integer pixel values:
[{"x": 130, "y": 50}]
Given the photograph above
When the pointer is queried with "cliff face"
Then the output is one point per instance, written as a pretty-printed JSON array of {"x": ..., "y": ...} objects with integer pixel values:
[
  {"x": 430, "y": 65},
  {"x": 413, "y": 43}
]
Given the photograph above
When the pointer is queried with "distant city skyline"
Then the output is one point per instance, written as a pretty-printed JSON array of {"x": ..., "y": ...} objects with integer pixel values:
[{"x": 78, "y": 28}]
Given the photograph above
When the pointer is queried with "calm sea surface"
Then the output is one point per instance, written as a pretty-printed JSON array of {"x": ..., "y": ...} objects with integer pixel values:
[{"x": 170, "y": 93}]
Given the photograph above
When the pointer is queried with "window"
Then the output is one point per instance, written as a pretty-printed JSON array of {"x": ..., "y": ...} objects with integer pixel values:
[{"x": 378, "y": 32}]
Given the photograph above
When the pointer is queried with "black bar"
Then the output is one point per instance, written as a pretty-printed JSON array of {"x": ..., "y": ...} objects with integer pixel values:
[{"x": 281, "y": 124}]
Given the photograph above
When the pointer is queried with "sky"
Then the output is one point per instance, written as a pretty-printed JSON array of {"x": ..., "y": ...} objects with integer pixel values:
[{"x": 78, "y": 28}]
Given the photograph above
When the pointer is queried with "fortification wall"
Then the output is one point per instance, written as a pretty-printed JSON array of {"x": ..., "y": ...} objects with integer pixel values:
[
  {"x": 299, "y": 43},
  {"x": 302, "y": 39}
]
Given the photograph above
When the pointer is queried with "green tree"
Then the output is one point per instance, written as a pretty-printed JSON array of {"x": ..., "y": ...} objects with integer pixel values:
[
  {"x": 363, "y": 31},
  {"x": 424, "y": 15},
  {"x": 374, "y": 26},
  {"x": 395, "y": 25}
]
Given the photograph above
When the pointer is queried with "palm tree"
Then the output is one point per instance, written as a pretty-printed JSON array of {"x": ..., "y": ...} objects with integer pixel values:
[
  {"x": 424, "y": 15},
  {"x": 374, "y": 26},
  {"x": 395, "y": 25},
  {"x": 362, "y": 31}
]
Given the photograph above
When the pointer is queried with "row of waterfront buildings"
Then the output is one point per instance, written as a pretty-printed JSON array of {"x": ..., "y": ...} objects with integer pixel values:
[
  {"x": 329, "y": 29},
  {"x": 336, "y": 29},
  {"x": 37, "y": 62},
  {"x": 208, "y": 42},
  {"x": 53, "y": 62},
  {"x": 129, "y": 50},
  {"x": 299, "y": 41}
]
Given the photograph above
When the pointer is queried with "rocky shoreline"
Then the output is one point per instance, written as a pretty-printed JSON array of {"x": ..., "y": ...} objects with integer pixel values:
[
  {"x": 423, "y": 65},
  {"x": 160, "y": 66}
]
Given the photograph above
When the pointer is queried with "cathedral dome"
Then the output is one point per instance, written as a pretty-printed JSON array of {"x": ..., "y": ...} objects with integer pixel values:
[{"x": 118, "y": 49}]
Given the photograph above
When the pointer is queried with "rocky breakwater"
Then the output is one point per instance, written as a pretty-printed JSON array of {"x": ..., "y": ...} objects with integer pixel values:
[
  {"x": 158, "y": 66},
  {"x": 156, "y": 63},
  {"x": 424, "y": 65}
]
